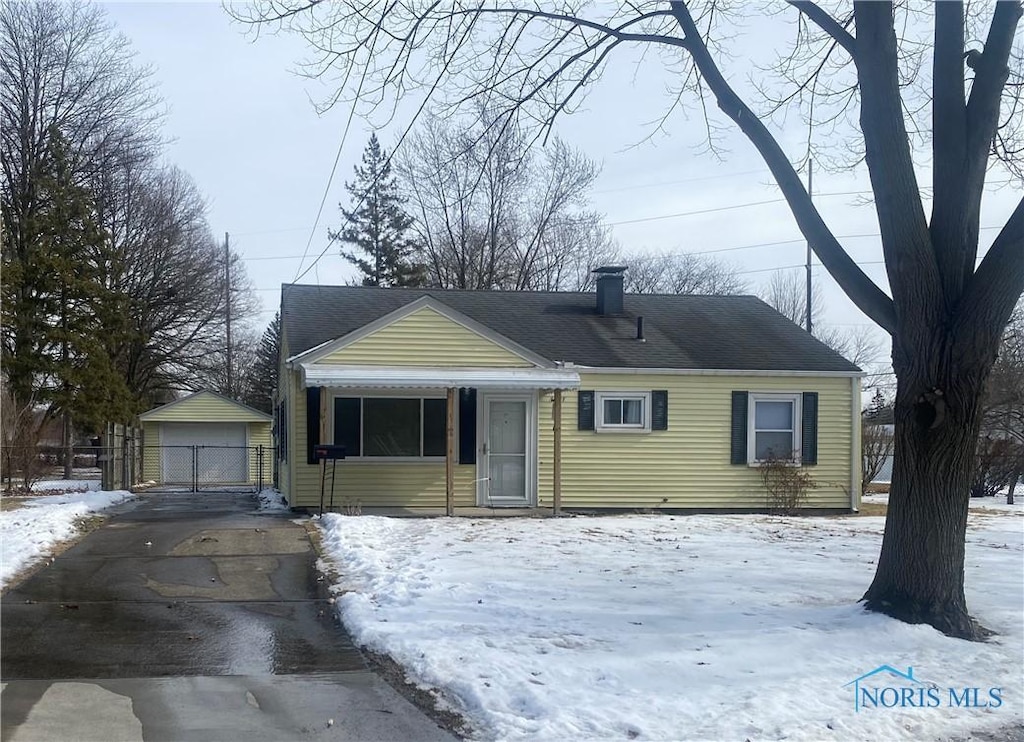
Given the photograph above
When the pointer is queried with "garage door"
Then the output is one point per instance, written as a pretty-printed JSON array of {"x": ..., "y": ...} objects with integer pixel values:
[{"x": 217, "y": 450}]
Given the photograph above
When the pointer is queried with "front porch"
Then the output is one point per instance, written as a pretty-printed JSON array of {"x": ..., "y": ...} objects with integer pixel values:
[{"x": 479, "y": 428}]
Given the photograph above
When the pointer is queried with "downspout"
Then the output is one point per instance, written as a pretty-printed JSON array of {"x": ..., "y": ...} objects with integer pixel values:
[{"x": 856, "y": 453}]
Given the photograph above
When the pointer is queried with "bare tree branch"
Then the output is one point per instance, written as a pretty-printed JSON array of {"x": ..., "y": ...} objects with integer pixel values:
[
  {"x": 901, "y": 219},
  {"x": 871, "y": 299},
  {"x": 826, "y": 23}
]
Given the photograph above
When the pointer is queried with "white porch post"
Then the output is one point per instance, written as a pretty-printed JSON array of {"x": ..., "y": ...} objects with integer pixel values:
[
  {"x": 449, "y": 456},
  {"x": 556, "y": 485}
]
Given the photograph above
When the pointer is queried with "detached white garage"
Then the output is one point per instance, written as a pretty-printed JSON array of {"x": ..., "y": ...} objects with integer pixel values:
[{"x": 206, "y": 439}]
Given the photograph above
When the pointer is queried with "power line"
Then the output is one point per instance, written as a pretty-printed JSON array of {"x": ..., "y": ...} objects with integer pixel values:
[
  {"x": 694, "y": 213},
  {"x": 387, "y": 163},
  {"x": 337, "y": 157},
  {"x": 656, "y": 217},
  {"x": 285, "y": 230},
  {"x": 754, "y": 270},
  {"x": 715, "y": 251},
  {"x": 640, "y": 186}
]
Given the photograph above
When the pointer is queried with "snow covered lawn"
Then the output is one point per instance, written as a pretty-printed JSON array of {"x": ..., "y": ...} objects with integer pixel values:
[
  {"x": 976, "y": 503},
  {"x": 659, "y": 627},
  {"x": 67, "y": 485},
  {"x": 30, "y": 531}
]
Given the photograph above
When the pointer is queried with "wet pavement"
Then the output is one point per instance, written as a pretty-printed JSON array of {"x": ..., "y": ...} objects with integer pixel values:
[{"x": 189, "y": 616}]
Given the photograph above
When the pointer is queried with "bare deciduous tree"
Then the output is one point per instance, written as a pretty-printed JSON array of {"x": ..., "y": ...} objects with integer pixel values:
[
  {"x": 169, "y": 271},
  {"x": 1000, "y": 459},
  {"x": 680, "y": 273},
  {"x": 786, "y": 292},
  {"x": 159, "y": 309},
  {"x": 876, "y": 439},
  {"x": 19, "y": 435},
  {"x": 490, "y": 213},
  {"x": 946, "y": 311}
]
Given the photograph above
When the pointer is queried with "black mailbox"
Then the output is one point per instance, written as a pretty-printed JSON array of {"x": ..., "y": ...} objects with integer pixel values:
[{"x": 328, "y": 452}]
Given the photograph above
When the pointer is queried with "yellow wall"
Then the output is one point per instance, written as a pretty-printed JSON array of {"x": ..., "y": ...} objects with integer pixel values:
[
  {"x": 688, "y": 465},
  {"x": 284, "y": 391},
  {"x": 260, "y": 435},
  {"x": 203, "y": 407},
  {"x": 150, "y": 452},
  {"x": 368, "y": 483},
  {"x": 425, "y": 338}
]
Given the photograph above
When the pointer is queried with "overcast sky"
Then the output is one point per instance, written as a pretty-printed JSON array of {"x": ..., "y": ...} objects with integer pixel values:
[{"x": 242, "y": 123}]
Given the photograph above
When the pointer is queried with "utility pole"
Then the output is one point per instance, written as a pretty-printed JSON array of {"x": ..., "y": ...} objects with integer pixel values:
[
  {"x": 227, "y": 301},
  {"x": 810, "y": 194}
]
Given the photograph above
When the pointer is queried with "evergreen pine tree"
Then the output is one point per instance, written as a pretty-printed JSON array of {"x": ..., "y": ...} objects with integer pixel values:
[
  {"x": 377, "y": 224},
  {"x": 57, "y": 311},
  {"x": 260, "y": 379}
]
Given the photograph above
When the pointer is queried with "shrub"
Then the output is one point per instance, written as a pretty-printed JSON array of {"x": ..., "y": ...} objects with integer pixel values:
[{"x": 786, "y": 483}]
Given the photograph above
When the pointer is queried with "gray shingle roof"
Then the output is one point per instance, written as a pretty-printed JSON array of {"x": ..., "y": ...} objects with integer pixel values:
[{"x": 692, "y": 332}]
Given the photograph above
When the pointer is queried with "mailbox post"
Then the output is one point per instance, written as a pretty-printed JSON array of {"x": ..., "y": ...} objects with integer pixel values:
[{"x": 324, "y": 453}]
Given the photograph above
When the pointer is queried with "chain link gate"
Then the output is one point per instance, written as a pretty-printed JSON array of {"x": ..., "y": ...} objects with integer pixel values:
[{"x": 207, "y": 467}]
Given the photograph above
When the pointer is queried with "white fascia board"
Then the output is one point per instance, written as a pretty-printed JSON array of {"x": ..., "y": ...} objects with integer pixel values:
[
  {"x": 715, "y": 372},
  {"x": 437, "y": 377}
]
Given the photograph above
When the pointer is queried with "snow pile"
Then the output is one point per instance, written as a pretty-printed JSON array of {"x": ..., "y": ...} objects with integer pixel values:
[
  {"x": 67, "y": 485},
  {"x": 659, "y": 627},
  {"x": 270, "y": 500},
  {"x": 29, "y": 532}
]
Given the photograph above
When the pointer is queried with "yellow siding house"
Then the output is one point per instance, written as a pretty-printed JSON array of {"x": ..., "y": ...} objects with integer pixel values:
[
  {"x": 450, "y": 400},
  {"x": 206, "y": 439}
]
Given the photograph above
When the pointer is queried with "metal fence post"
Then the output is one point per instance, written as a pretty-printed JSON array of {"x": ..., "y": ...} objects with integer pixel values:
[
  {"x": 125, "y": 462},
  {"x": 195, "y": 468}
]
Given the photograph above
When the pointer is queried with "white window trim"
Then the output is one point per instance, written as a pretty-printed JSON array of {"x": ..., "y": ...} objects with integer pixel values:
[
  {"x": 752, "y": 399},
  {"x": 384, "y": 394},
  {"x": 601, "y": 427}
]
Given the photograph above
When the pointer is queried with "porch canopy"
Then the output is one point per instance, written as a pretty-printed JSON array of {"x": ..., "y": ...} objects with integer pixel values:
[{"x": 437, "y": 377}]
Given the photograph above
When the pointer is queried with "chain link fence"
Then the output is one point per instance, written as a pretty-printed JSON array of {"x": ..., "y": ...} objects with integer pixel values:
[
  {"x": 207, "y": 467},
  {"x": 129, "y": 463},
  {"x": 21, "y": 467}
]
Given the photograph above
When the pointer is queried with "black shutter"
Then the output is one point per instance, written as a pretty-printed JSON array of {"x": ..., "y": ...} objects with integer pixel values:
[
  {"x": 739, "y": 428},
  {"x": 284, "y": 430},
  {"x": 467, "y": 426},
  {"x": 585, "y": 410},
  {"x": 809, "y": 429},
  {"x": 659, "y": 409},
  {"x": 312, "y": 421}
]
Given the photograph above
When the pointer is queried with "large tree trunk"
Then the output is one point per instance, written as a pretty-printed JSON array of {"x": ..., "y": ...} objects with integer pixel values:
[{"x": 920, "y": 573}]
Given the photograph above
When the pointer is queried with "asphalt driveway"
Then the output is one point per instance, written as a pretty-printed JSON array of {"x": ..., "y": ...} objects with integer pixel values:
[{"x": 189, "y": 617}]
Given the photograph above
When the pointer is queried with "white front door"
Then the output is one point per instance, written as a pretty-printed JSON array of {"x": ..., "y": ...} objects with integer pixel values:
[{"x": 507, "y": 464}]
